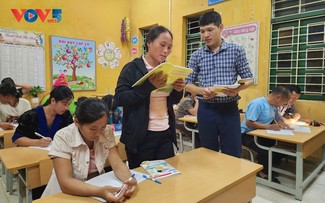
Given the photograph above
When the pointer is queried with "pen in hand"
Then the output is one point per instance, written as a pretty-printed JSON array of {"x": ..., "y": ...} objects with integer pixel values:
[
  {"x": 39, "y": 135},
  {"x": 123, "y": 186}
]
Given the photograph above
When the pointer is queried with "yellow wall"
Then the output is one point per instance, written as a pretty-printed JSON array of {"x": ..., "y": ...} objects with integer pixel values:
[{"x": 98, "y": 20}]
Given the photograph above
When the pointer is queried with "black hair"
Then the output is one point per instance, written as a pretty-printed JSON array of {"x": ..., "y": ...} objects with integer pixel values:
[
  {"x": 282, "y": 91},
  {"x": 8, "y": 80},
  {"x": 109, "y": 100},
  {"x": 154, "y": 34},
  {"x": 90, "y": 110},
  {"x": 7, "y": 89},
  {"x": 210, "y": 17},
  {"x": 80, "y": 99},
  {"x": 294, "y": 88},
  {"x": 60, "y": 93}
]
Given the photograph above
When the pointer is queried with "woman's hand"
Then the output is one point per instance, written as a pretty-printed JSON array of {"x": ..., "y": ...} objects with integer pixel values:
[
  {"x": 44, "y": 141},
  {"x": 179, "y": 84},
  {"x": 158, "y": 79},
  {"x": 108, "y": 193},
  {"x": 130, "y": 187},
  {"x": 6, "y": 125}
]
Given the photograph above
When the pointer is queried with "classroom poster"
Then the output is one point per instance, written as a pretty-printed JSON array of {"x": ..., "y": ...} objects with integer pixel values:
[
  {"x": 247, "y": 35},
  {"x": 74, "y": 60},
  {"x": 108, "y": 55},
  {"x": 22, "y": 56}
]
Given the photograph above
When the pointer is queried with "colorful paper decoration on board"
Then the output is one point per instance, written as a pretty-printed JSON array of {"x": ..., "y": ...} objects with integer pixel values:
[
  {"x": 75, "y": 58},
  {"x": 108, "y": 55}
]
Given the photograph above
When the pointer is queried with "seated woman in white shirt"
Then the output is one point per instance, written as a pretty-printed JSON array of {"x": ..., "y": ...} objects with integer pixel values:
[
  {"x": 9, "y": 96},
  {"x": 79, "y": 152}
]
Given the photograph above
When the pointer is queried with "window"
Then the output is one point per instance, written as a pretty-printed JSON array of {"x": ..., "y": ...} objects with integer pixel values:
[
  {"x": 193, "y": 38},
  {"x": 298, "y": 46},
  {"x": 144, "y": 38}
]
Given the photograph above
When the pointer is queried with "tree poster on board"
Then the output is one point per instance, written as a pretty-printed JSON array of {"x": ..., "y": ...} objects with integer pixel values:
[{"x": 73, "y": 60}]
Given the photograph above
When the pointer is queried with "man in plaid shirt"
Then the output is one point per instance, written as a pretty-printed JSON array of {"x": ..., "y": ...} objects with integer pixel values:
[{"x": 218, "y": 63}]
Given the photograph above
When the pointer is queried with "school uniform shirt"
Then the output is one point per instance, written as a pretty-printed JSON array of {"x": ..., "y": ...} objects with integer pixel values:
[
  {"x": 6, "y": 110},
  {"x": 69, "y": 144}
]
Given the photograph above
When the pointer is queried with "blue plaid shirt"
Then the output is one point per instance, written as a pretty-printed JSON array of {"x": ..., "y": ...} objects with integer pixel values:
[{"x": 220, "y": 68}]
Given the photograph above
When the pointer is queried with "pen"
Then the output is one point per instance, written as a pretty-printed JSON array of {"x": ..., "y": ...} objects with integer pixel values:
[
  {"x": 39, "y": 135},
  {"x": 154, "y": 180},
  {"x": 123, "y": 186}
]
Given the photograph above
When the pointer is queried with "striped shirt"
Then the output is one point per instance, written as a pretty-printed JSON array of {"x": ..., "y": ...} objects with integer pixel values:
[{"x": 220, "y": 68}]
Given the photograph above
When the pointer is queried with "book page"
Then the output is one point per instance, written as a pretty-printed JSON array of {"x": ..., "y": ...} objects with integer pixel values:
[
  {"x": 218, "y": 89},
  {"x": 173, "y": 71},
  {"x": 242, "y": 81}
]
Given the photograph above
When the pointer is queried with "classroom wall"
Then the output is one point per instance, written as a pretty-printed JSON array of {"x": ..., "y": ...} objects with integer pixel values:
[
  {"x": 172, "y": 14},
  {"x": 98, "y": 20}
]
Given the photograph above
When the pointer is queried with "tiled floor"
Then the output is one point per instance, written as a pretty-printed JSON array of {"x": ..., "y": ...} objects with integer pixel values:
[{"x": 315, "y": 193}]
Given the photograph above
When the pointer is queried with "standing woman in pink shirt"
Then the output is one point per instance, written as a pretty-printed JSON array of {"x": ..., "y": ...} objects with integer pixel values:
[{"x": 148, "y": 130}]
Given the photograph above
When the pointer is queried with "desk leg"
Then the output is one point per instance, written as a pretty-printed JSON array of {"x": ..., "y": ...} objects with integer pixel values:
[
  {"x": 9, "y": 182},
  {"x": 299, "y": 173},
  {"x": 193, "y": 139},
  {"x": 24, "y": 194}
]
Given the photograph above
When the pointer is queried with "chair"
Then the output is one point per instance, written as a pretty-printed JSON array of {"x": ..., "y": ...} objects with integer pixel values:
[
  {"x": 180, "y": 137},
  {"x": 249, "y": 154}
]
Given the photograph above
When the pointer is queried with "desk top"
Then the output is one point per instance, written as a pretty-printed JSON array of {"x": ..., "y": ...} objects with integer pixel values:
[
  {"x": 297, "y": 138},
  {"x": 204, "y": 174},
  {"x": 193, "y": 119},
  {"x": 16, "y": 158},
  {"x": 3, "y": 132},
  {"x": 189, "y": 119}
]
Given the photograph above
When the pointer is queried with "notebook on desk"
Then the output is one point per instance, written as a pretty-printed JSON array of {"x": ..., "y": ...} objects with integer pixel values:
[{"x": 159, "y": 169}]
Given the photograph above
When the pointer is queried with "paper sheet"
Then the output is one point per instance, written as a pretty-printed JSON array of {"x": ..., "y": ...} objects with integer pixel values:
[
  {"x": 48, "y": 148},
  {"x": 280, "y": 132},
  {"x": 299, "y": 128}
]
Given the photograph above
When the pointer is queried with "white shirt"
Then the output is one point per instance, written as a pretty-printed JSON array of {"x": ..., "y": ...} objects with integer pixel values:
[
  {"x": 7, "y": 110},
  {"x": 69, "y": 144}
]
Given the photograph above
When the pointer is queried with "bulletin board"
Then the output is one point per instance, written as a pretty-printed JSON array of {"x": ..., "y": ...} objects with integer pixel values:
[
  {"x": 22, "y": 56},
  {"x": 76, "y": 59},
  {"x": 247, "y": 35}
]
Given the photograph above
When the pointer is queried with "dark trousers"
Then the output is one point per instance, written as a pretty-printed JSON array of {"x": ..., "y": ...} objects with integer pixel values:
[
  {"x": 156, "y": 145},
  {"x": 262, "y": 155},
  {"x": 219, "y": 127},
  {"x": 37, "y": 192}
]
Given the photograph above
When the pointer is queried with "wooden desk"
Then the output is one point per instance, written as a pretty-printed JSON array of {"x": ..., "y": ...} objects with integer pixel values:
[
  {"x": 26, "y": 161},
  {"x": 2, "y": 132},
  {"x": 206, "y": 176},
  {"x": 306, "y": 144}
]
